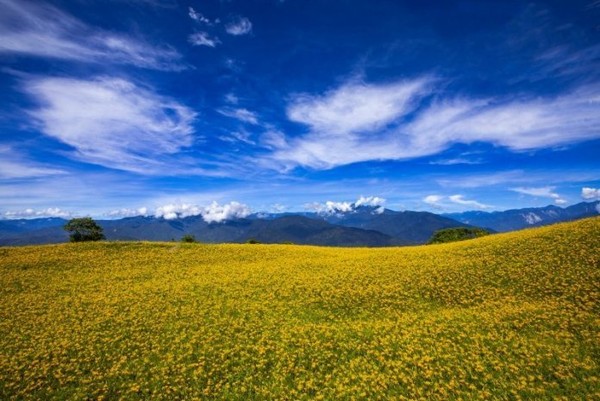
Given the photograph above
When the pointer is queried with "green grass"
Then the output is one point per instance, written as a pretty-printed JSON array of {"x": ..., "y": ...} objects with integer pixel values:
[{"x": 511, "y": 316}]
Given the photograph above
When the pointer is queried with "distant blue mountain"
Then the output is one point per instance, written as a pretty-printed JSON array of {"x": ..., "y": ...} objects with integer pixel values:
[
  {"x": 517, "y": 219},
  {"x": 363, "y": 226}
]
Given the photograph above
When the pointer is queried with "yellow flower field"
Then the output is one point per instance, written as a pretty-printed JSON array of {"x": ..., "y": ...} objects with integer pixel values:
[{"x": 512, "y": 316}]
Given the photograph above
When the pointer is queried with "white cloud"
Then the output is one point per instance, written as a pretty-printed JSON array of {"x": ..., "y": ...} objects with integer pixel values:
[
  {"x": 433, "y": 199},
  {"x": 333, "y": 208},
  {"x": 196, "y": 16},
  {"x": 231, "y": 98},
  {"x": 460, "y": 200},
  {"x": 361, "y": 122},
  {"x": 369, "y": 201},
  {"x": 239, "y": 26},
  {"x": 239, "y": 136},
  {"x": 203, "y": 39},
  {"x": 39, "y": 29},
  {"x": 355, "y": 107},
  {"x": 32, "y": 213},
  {"x": 13, "y": 164},
  {"x": 518, "y": 125},
  {"x": 273, "y": 139},
  {"x": 544, "y": 192},
  {"x": 213, "y": 213},
  {"x": 112, "y": 122},
  {"x": 588, "y": 193},
  {"x": 120, "y": 213},
  {"x": 241, "y": 114},
  {"x": 452, "y": 162},
  {"x": 174, "y": 211}
]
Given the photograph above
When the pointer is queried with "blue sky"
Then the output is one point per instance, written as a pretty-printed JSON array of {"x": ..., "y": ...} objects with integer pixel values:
[{"x": 120, "y": 107}]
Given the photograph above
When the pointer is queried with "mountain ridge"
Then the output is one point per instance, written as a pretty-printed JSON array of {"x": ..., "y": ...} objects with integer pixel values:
[{"x": 363, "y": 226}]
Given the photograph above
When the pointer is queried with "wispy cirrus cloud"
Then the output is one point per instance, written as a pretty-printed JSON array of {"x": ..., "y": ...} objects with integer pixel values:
[
  {"x": 241, "y": 114},
  {"x": 42, "y": 30},
  {"x": 460, "y": 200},
  {"x": 442, "y": 202},
  {"x": 15, "y": 165},
  {"x": 544, "y": 192},
  {"x": 348, "y": 124},
  {"x": 122, "y": 126},
  {"x": 203, "y": 39},
  {"x": 362, "y": 122}
]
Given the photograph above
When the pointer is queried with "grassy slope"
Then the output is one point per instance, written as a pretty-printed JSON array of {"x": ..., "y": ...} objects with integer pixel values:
[{"x": 502, "y": 317}]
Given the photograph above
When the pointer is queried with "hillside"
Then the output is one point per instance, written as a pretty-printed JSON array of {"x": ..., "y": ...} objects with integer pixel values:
[{"x": 507, "y": 316}]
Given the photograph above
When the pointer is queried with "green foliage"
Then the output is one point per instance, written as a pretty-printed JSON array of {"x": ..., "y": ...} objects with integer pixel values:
[
  {"x": 84, "y": 229},
  {"x": 253, "y": 241},
  {"x": 457, "y": 234},
  {"x": 188, "y": 238}
]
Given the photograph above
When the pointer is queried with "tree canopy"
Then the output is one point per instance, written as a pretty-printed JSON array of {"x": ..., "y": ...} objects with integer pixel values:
[
  {"x": 84, "y": 229},
  {"x": 457, "y": 234}
]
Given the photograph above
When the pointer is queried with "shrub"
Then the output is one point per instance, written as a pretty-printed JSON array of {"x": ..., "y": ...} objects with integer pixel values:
[
  {"x": 188, "y": 238},
  {"x": 253, "y": 241},
  {"x": 457, "y": 234}
]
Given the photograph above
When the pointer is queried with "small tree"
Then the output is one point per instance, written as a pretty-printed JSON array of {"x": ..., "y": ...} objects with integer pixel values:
[
  {"x": 188, "y": 238},
  {"x": 84, "y": 229}
]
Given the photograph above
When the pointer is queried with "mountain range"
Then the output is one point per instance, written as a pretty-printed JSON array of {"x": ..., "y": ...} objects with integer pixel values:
[
  {"x": 517, "y": 219},
  {"x": 363, "y": 226}
]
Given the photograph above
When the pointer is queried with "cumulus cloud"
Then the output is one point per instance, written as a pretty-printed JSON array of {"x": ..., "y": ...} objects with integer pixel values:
[
  {"x": 460, "y": 199},
  {"x": 203, "y": 39},
  {"x": 369, "y": 201},
  {"x": 588, "y": 193},
  {"x": 213, "y": 213},
  {"x": 338, "y": 208},
  {"x": 243, "y": 115},
  {"x": 120, "y": 213},
  {"x": 42, "y": 30},
  {"x": 407, "y": 119},
  {"x": 121, "y": 126},
  {"x": 544, "y": 192},
  {"x": 32, "y": 213},
  {"x": 239, "y": 26}
]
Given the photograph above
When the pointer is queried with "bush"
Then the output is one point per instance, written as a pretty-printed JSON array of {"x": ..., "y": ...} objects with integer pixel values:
[
  {"x": 253, "y": 241},
  {"x": 457, "y": 234},
  {"x": 188, "y": 238},
  {"x": 84, "y": 229}
]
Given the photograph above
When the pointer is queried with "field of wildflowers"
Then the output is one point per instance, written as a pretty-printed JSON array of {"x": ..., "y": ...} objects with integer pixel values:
[{"x": 511, "y": 316}]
